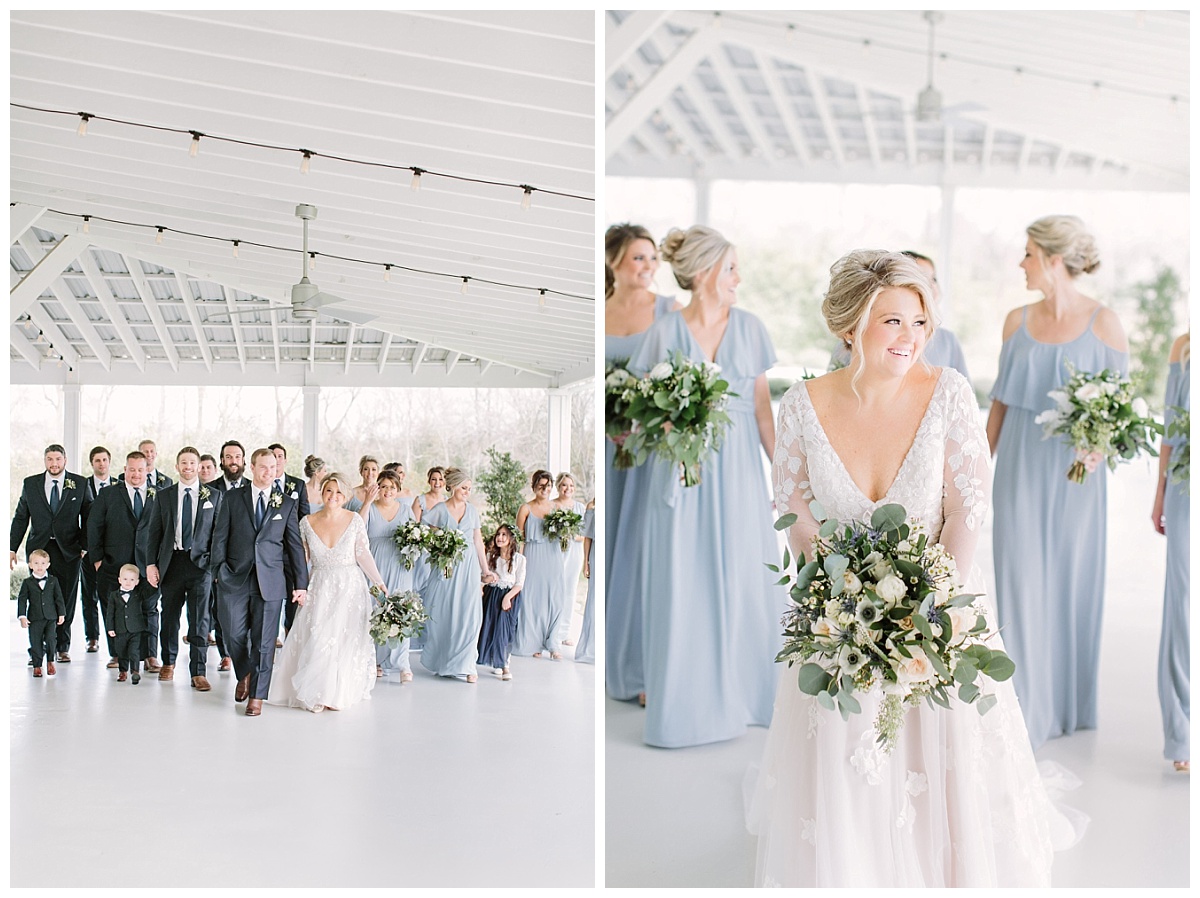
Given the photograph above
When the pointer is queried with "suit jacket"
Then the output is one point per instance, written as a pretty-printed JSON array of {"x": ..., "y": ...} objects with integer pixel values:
[
  {"x": 161, "y": 480},
  {"x": 132, "y": 617},
  {"x": 160, "y": 531},
  {"x": 90, "y": 491},
  {"x": 239, "y": 552},
  {"x": 220, "y": 485},
  {"x": 34, "y": 509},
  {"x": 36, "y": 603},
  {"x": 295, "y": 487},
  {"x": 115, "y": 537}
]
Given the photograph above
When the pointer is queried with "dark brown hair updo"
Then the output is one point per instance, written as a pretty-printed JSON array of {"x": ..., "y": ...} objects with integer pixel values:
[
  {"x": 616, "y": 242},
  {"x": 312, "y": 464}
]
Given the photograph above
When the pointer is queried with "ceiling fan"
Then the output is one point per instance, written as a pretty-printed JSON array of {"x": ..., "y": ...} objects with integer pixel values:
[
  {"x": 308, "y": 300},
  {"x": 929, "y": 101}
]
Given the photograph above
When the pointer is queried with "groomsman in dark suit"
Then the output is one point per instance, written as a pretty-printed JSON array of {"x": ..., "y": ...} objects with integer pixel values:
[
  {"x": 178, "y": 537},
  {"x": 233, "y": 466},
  {"x": 94, "y": 606},
  {"x": 116, "y": 533},
  {"x": 294, "y": 487},
  {"x": 255, "y": 538},
  {"x": 50, "y": 508},
  {"x": 155, "y": 479}
]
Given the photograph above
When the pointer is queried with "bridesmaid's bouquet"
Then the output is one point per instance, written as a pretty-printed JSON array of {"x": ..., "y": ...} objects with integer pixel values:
[
  {"x": 19, "y": 575},
  {"x": 619, "y": 390},
  {"x": 398, "y": 616},
  {"x": 446, "y": 548},
  {"x": 563, "y": 524},
  {"x": 881, "y": 605},
  {"x": 410, "y": 539},
  {"x": 1180, "y": 470},
  {"x": 1099, "y": 415},
  {"x": 678, "y": 412}
]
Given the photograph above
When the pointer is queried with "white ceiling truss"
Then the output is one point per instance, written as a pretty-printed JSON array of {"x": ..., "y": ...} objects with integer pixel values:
[
  {"x": 1031, "y": 99},
  {"x": 495, "y": 96}
]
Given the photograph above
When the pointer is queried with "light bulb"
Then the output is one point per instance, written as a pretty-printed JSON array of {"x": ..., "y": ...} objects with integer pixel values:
[
  {"x": 463, "y": 291},
  {"x": 87, "y": 224},
  {"x": 83, "y": 120},
  {"x": 415, "y": 184},
  {"x": 387, "y": 274},
  {"x": 526, "y": 196},
  {"x": 235, "y": 248},
  {"x": 312, "y": 261},
  {"x": 304, "y": 162},
  {"x": 790, "y": 34},
  {"x": 542, "y": 298},
  {"x": 194, "y": 149},
  {"x": 159, "y": 237}
]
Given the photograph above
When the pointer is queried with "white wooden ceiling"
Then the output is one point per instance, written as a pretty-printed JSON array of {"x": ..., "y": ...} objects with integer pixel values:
[
  {"x": 501, "y": 96},
  {"x": 1033, "y": 99}
]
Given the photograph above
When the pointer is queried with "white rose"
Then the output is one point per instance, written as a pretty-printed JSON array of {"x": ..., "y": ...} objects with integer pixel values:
[
  {"x": 1109, "y": 387},
  {"x": 661, "y": 371},
  {"x": 712, "y": 367},
  {"x": 891, "y": 588},
  {"x": 916, "y": 669},
  {"x": 1140, "y": 408},
  {"x": 1088, "y": 392},
  {"x": 853, "y": 584},
  {"x": 618, "y": 378},
  {"x": 825, "y": 627},
  {"x": 961, "y": 621},
  {"x": 1061, "y": 399}
]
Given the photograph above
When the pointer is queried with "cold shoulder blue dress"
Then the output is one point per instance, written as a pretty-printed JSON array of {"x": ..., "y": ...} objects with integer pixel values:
[
  {"x": 420, "y": 576},
  {"x": 711, "y": 614},
  {"x": 623, "y": 675},
  {"x": 454, "y": 604},
  {"x": 1174, "y": 647},
  {"x": 381, "y": 536},
  {"x": 541, "y": 599},
  {"x": 585, "y": 650},
  {"x": 1048, "y": 537}
]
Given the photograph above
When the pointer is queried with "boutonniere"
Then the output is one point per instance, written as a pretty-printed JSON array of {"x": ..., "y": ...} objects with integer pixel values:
[
  {"x": 68, "y": 483},
  {"x": 150, "y": 491},
  {"x": 276, "y": 500},
  {"x": 204, "y": 493}
]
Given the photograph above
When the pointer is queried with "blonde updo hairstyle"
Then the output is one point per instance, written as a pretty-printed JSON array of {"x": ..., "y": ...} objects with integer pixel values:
[
  {"x": 693, "y": 252},
  {"x": 617, "y": 240},
  {"x": 343, "y": 485},
  {"x": 855, "y": 282},
  {"x": 1065, "y": 236},
  {"x": 455, "y": 477}
]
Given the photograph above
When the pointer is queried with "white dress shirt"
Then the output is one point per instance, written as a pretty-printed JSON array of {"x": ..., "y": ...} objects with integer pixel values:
[
  {"x": 98, "y": 484},
  {"x": 194, "y": 486},
  {"x": 266, "y": 497},
  {"x": 132, "y": 489},
  {"x": 50, "y": 479}
]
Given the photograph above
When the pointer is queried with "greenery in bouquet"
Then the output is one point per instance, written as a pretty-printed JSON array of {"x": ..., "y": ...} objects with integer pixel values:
[
  {"x": 1098, "y": 414},
  {"x": 619, "y": 389},
  {"x": 446, "y": 548},
  {"x": 1180, "y": 469},
  {"x": 398, "y": 616},
  {"x": 410, "y": 538},
  {"x": 563, "y": 524},
  {"x": 678, "y": 413},
  {"x": 19, "y": 575},
  {"x": 881, "y": 606}
]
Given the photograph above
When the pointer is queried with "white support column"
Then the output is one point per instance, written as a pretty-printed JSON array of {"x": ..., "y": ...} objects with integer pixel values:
[
  {"x": 703, "y": 188},
  {"x": 558, "y": 431},
  {"x": 312, "y": 409},
  {"x": 72, "y": 425},
  {"x": 945, "y": 252}
]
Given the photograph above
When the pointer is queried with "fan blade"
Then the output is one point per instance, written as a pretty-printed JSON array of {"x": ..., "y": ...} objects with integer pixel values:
[{"x": 359, "y": 318}]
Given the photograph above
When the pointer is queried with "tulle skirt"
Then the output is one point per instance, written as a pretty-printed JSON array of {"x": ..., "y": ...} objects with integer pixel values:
[{"x": 499, "y": 627}]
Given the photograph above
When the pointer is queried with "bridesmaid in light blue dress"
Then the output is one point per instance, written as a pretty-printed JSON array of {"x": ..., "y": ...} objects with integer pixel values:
[
  {"x": 541, "y": 600},
  {"x": 1048, "y": 533},
  {"x": 381, "y": 534},
  {"x": 368, "y": 469},
  {"x": 573, "y": 564},
  {"x": 711, "y": 616},
  {"x": 1171, "y": 519},
  {"x": 455, "y": 603},
  {"x": 315, "y": 471},
  {"x": 585, "y": 651},
  {"x": 436, "y": 477},
  {"x": 630, "y": 307}
]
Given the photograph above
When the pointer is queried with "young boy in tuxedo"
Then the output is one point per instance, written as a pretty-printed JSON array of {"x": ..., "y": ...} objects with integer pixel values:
[
  {"x": 41, "y": 608},
  {"x": 128, "y": 607}
]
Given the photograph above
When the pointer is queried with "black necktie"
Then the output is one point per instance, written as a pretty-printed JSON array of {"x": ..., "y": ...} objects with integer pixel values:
[
  {"x": 54, "y": 497},
  {"x": 186, "y": 525},
  {"x": 260, "y": 513},
  {"x": 137, "y": 504}
]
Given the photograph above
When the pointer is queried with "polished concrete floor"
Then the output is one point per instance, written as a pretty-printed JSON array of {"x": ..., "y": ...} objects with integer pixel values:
[
  {"x": 674, "y": 817},
  {"x": 434, "y": 783}
]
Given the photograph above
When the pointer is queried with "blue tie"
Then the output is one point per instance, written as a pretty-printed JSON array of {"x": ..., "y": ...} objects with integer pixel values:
[
  {"x": 53, "y": 497},
  {"x": 186, "y": 525},
  {"x": 137, "y": 504},
  {"x": 260, "y": 513}
]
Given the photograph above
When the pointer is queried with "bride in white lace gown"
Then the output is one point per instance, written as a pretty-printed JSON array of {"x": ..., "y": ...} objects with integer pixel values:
[
  {"x": 959, "y": 801},
  {"x": 328, "y": 658}
]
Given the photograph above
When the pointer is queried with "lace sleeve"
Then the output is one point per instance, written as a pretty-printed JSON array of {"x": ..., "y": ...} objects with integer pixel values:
[
  {"x": 967, "y": 475},
  {"x": 518, "y": 572},
  {"x": 789, "y": 474},
  {"x": 362, "y": 551}
]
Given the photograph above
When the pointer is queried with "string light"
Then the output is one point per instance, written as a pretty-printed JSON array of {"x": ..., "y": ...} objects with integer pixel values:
[
  {"x": 415, "y": 184},
  {"x": 194, "y": 149},
  {"x": 312, "y": 261},
  {"x": 387, "y": 274},
  {"x": 84, "y": 118},
  {"x": 526, "y": 196},
  {"x": 41, "y": 338},
  {"x": 790, "y": 35},
  {"x": 304, "y": 161},
  {"x": 542, "y": 298},
  {"x": 463, "y": 291},
  {"x": 87, "y": 224},
  {"x": 235, "y": 248},
  {"x": 159, "y": 237},
  {"x": 866, "y": 46}
]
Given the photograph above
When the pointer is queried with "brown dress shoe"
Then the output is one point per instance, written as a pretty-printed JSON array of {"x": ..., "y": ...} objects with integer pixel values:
[
  {"x": 254, "y": 707},
  {"x": 152, "y": 665},
  {"x": 63, "y": 657},
  {"x": 50, "y": 671},
  {"x": 113, "y": 664},
  {"x": 243, "y": 689},
  {"x": 167, "y": 672},
  {"x": 226, "y": 664},
  {"x": 37, "y": 671},
  {"x": 122, "y": 677},
  {"x": 93, "y": 646},
  {"x": 201, "y": 684}
]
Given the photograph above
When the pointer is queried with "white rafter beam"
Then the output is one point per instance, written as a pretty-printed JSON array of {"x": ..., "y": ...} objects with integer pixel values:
[
  {"x": 622, "y": 41},
  {"x": 452, "y": 360},
  {"x": 22, "y": 217},
  {"x": 418, "y": 356},
  {"x": 1023, "y": 157},
  {"x": 483, "y": 368},
  {"x": 743, "y": 105},
  {"x": 910, "y": 139},
  {"x": 108, "y": 302},
  {"x": 384, "y": 347},
  {"x": 349, "y": 347},
  {"x": 189, "y": 303},
  {"x": 50, "y": 331},
  {"x": 236, "y": 325},
  {"x": 864, "y": 103},
  {"x": 271, "y": 316},
  {"x": 20, "y": 342},
  {"x": 779, "y": 97},
  {"x": 43, "y": 273},
  {"x": 985, "y": 152},
  {"x": 823, "y": 112},
  {"x": 138, "y": 276}
]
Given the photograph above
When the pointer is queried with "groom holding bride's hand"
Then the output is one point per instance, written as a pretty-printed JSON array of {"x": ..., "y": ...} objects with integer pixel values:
[{"x": 255, "y": 535}]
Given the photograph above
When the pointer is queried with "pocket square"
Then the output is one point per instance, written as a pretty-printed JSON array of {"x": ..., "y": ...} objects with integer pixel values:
[
  {"x": 295, "y": 495},
  {"x": 277, "y": 517},
  {"x": 207, "y": 505}
]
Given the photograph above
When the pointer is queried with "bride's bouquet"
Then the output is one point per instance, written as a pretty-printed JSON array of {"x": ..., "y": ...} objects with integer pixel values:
[
  {"x": 19, "y": 575},
  {"x": 1180, "y": 470},
  {"x": 410, "y": 539},
  {"x": 563, "y": 524},
  {"x": 1098, "y": 414},
  {"x": 678, "y": 412},
  {"x": 881, "y": 605},
  {"x": 396, "y": 617},
  {"x": 619, "y": 389},
  {"x": 446, "y": 548}
]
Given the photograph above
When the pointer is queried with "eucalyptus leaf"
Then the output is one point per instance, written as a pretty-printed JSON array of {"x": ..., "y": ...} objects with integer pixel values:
[
  {"x": 828, "y": 529},
  {"x": 888, "y": 517},
  {"x": 818, "y": 510},
  {"x": 786, "y": 521},
  {"x": 773, "y": 568},
  {"x": 937, "y": 664},
  {"x": 812, "y": 679},
  {"x": 848, "y": 701},
  {"x": 825, "y": 700},
  {"x": 985, "y": 704},
  {"x": 835, "y": 567},
  {"x": 968, "y": 692},
  {"x": 1000, "y": 667},
  {"x": 922, "y": 625}
]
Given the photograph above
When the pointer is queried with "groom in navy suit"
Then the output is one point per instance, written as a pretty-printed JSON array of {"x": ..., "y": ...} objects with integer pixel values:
[{"x": 256, "y": 538}]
